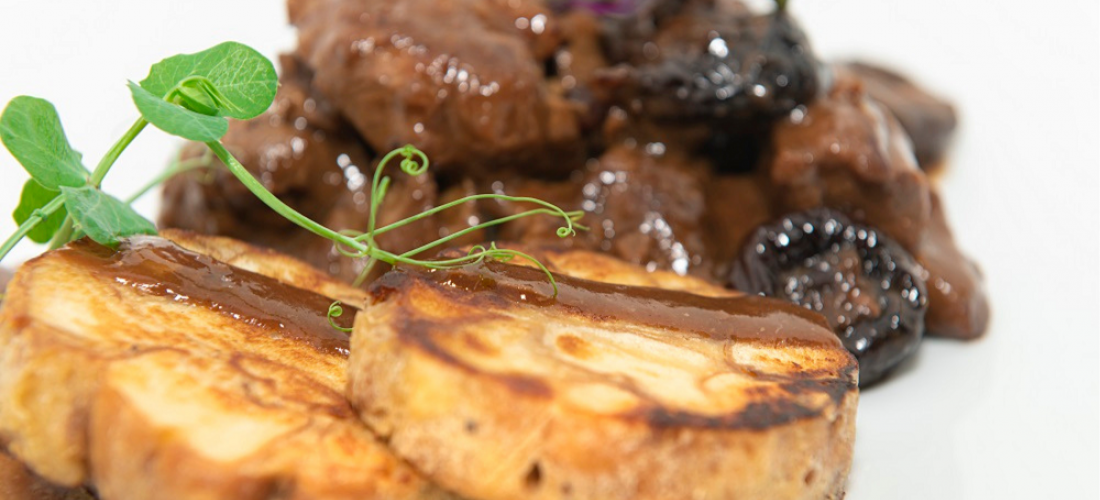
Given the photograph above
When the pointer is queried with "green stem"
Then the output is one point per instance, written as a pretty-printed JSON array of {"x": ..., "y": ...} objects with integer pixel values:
[
  {"x": 377, "y": 195},
  {"x": 65, "y": 233},
  {"x": 553, "y": 210},
  {"x": 471, "y": 229},
  {"x": 179, "y": 168},
  {"x": 364, "y": 273},
  {"x": 369, "y": 250},
  {"x": 242, "y": 174},
  {"x": 112, "y": 155},
  {"x": 29, "y": 224}
]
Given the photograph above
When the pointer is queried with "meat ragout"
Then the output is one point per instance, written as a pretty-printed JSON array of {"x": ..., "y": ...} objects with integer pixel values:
[{"x": 679, "y": 127}]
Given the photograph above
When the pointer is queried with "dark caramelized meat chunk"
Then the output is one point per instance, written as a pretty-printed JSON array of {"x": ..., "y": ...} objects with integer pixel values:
[
  {"x": 868, "y": 288},
  {"x": 736, "y": 206},
  {"x": 643, "y": 205},
  {"x": 718, "y": 63},
  {"x": 845, "y": 152},
  {"x": 957, "y": 302},
  {"x": 463, "y": 80},
  {"x": 929, "y": 120}
]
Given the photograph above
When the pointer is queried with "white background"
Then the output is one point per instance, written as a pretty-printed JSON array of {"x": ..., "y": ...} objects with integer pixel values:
[{"x": 1012, "y": 416}]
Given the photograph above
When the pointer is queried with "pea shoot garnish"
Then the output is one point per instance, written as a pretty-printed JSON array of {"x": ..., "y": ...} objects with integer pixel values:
[
  {"x": 335, "y": 310},
  {"x": 192, "y": 96}
]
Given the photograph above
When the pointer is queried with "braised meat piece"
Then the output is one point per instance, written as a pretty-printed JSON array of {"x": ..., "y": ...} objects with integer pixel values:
[
  {"x": 643, "y": 205},
  {"x": 929, "y": 120},
  {"x": 303, "y": 153},
  {"x": 463, "y": 80},
  {"x": 846, "y": 153},
  {"x": 576, "y": 65},
  {"x": 581, "y": 54},
  {"x": 736, "y": 206},
  {"x": 958, "y": 306},
  {"x": 713, "y": 62}
]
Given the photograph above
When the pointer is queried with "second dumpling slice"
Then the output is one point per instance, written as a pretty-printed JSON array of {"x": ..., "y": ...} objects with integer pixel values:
[{"x": 496, "y": 389}]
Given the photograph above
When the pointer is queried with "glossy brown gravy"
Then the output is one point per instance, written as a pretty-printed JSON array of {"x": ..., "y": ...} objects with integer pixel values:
[
  {"x": 158, "y": 267},
  {"x": 750, "y": 318}
]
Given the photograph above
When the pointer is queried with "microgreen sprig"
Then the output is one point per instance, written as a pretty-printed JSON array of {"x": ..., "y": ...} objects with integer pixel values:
[
  {"x": 363, "y": 245},
  {"x": 190, "y": 96},
  {"x": 186, "y": 95}
]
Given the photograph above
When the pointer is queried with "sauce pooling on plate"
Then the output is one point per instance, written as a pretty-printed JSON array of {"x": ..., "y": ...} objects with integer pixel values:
[{"x": 158, "y": 267}]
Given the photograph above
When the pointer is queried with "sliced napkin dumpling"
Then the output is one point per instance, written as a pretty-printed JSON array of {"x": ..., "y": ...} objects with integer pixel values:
[
  {"x": 497, "y": 390},
  {"x": 160, "y": 372},
  {"x": 17, "y": 482}
]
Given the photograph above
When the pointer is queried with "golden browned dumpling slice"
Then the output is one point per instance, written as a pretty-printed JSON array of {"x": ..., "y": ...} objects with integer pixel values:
[
  {"x": 495, "y": 389},
  {"x": 17, "y": 482},
  {"x": 162, "y": 372}
]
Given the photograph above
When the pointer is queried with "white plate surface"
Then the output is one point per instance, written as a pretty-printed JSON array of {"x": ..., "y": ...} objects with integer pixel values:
[{"x": 1012, "y": 416}]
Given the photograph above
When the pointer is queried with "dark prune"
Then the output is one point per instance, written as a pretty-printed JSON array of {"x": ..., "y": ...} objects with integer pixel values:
[
  {"x": 867, "y": 286},
  {"x": 736, "y": 71}
]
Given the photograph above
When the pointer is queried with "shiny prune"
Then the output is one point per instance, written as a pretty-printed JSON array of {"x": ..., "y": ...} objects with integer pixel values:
[
  {"x": 734, "y": 71},
  {"x": 866, "y": 285}
]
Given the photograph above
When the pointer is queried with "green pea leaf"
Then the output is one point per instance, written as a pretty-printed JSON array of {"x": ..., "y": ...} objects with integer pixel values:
[
  {"x": 177, "y": 120},
  {"x": 31, "y": 130},
  {"x": 244, "y": 78},
  {"x": 34, "y": 197},
  {"x": 103, "y": 217}
]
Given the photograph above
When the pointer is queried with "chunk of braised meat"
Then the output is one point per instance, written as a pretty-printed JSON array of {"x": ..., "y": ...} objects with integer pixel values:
[
  {"x": 929, "y": 120},
  {"x": 581, "y": 55},
  {"x": 683, "y": 140},
  {"x": 845, "y": 152},
  {"x": 867, "y": 286},
  {"x": 646, "y": 204},
  {"x": 575, "y": 66},
  {"x": 643, "y": 205},
  {"x": 716, "y": 62},
  {"x": 957, "y": 302},
  {"x": 464, "y": 80},
  {"x": 304, "y": 154},
  {"x": 736, "y": 206}
]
